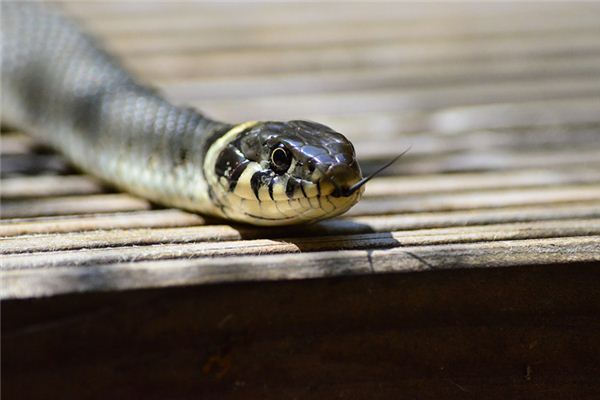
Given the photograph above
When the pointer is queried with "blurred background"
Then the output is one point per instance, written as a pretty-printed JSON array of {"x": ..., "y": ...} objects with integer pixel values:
[{"x": 469, "y": 86}]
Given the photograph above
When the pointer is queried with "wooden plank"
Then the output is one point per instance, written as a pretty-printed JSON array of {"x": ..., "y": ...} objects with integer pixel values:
[
  {"x": 579, "y": 115},
  {"x": 494, "y": 116},
  {"x": 72, "y": 205},
  {"x": 398, "y": 100},
  {"x": 480, "y": 161},
  {"x": 481, "y": 181},
  {"x": 427, "y": 145},
  {"x": 263, "y": 62},
  {"x": 249, "y": 17},
  {"x": 122, "y": 238},
  {"x": 472, "y": 217},
  {"x": 49, "y": 185},
  {"x": 179, "y": 244},
  {"x": 427, "y": 75},
  {"x": 476, "y": 200},
  {"x": 31, "y": 282},
  {"x": 200, "y": 38},
  {"x": 78, "y": 223},
  {"x": 361, "y": 224},
  {"x": 260, "y": 15}
]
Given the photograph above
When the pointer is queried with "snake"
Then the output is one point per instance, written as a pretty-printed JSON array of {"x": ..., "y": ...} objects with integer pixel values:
[{"x": 62, "y": 87}]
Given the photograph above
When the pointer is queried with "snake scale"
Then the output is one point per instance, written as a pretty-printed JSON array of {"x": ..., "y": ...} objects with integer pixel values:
[{"x": 59, "y": 85}]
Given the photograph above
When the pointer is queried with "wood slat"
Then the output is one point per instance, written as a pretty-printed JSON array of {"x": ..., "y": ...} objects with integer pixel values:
[
  {"x": 199, "y": 249},
  {"x": 233, "y": 243},
  {"x": 535, "y": 139},
  {"x": 427, "y": 75},
  {"x": 346, "y": 225},
  {"x": 555, "y": 112},
  {"x": 481, "y": 181},
  {"x": 475, "y": 200},
  {"x": 52, "y": 281},
  {"x": 77, "y": 223},
  {"x": 72, "y": 205},
  {"x": 48, "y": 186},
  {"x": 479, "y": 161},
  {"x": 256, "y": 15},
  {"x": 398, "y": 101},
  {"x": 261, "y": 62},
  {"x": 499, "y": 116},
  {"x": 200, "y": 38}
]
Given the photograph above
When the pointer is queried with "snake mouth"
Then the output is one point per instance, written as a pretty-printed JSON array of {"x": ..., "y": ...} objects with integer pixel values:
[
  {"x": 307, "y": 210},
  {"x": 312, "y": 201}
]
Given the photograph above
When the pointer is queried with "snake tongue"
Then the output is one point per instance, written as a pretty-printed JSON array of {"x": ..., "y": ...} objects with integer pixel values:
[{"x": 351, "y": 189}]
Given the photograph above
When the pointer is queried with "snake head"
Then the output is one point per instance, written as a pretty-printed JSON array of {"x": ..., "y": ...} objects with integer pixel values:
[{"x": 277, "y": 173}]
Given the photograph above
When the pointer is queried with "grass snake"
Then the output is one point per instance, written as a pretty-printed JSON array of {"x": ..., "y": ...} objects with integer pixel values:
[{"x": 61, "y": 86}]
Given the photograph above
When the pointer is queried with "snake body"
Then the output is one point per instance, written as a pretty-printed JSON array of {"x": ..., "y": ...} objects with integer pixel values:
[{"x": 59, "y": 85}]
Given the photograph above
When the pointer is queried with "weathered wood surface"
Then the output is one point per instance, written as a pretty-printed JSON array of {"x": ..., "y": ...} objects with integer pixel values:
[{"x": 468, "y": 269}]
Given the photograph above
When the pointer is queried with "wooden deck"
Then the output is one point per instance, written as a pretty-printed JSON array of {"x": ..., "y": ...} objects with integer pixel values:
[{"x": 107, "y": 295}]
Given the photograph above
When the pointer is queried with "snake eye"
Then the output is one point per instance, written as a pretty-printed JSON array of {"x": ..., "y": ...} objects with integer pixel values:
[{"x": 281, "y": 159}]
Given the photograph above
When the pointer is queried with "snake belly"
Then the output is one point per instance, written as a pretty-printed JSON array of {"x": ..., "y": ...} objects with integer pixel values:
[{"x": 59, "y": 85}]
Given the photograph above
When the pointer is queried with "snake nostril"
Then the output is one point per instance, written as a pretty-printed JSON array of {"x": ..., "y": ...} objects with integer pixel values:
[{"x": 343, "y": 176}]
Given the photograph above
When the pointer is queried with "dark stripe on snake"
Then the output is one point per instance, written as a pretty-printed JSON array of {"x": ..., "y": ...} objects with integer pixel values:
[
  {"x": 271, "y": 182},
  {"x": 258, "y": 178},
  {"x": 302, "y": 189},
  {"x": 235, "y": 175},
  {"x": 291, "y": 186}
]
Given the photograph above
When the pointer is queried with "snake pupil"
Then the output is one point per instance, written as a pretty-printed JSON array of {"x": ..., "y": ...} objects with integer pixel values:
[{"x": 281, "y": 159}]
